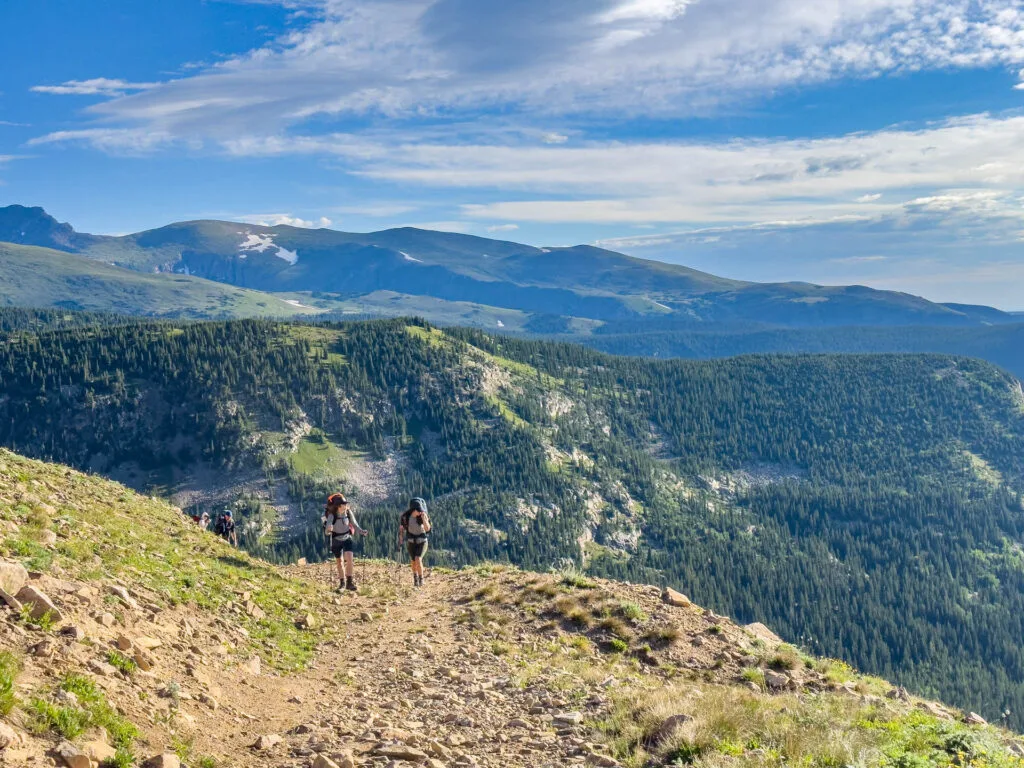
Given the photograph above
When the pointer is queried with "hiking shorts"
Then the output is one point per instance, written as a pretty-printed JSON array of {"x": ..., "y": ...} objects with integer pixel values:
[
  {"x": 342, "y": 545},
  {"x": 416, "y": 548}
]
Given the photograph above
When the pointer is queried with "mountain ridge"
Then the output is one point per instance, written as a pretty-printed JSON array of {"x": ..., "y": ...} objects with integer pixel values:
[{"x": 577, "y": 281}]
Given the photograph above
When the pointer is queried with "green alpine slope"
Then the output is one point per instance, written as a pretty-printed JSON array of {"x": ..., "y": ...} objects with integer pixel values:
[{"x": 868, "y": 506}]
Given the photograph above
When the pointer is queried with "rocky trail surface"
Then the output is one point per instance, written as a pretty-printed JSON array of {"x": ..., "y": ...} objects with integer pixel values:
[{"x": 128, "y": 637}]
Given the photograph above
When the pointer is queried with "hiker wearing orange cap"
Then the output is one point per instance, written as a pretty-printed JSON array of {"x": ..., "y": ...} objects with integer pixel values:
[{"x": 340, "y": 526}]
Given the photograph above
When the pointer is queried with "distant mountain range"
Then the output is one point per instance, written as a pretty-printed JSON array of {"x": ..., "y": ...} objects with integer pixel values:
[
  {"x": 610, "y": 300},
  {"x": 574, "y": 282}
]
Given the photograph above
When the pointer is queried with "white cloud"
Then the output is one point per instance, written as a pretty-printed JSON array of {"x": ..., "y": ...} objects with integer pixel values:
[
  {"x": 97, "y": 86},
  {"x": 503, "y": 228},
  {"x": 535, "y": 58},
  {"x": 283, "y": 219},
  {"x": 112, "y": 140},
  {"x": 554, "y": 138},
  {"x": 860, "y": 259},
  {"x": 869, "y": 198}
]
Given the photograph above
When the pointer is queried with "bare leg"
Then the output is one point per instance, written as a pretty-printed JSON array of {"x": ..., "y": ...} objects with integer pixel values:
[
  {"x": 341, "y": 571},
  {"x": 350, "y": 567}
]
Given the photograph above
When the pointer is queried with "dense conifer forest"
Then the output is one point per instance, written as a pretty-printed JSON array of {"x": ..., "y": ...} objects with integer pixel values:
[{"x": 868, "y": 506}]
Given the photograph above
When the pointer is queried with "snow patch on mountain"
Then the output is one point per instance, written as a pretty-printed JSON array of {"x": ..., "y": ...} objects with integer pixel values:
[
  {"x": 410, "y": 258},
  {"x": 260, "y": 243}
]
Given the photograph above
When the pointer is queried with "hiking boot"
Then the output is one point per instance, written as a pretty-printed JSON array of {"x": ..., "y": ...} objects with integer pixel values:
[
  {"x": 350, "y": 584},
  {"x": 341, "y": 585}
]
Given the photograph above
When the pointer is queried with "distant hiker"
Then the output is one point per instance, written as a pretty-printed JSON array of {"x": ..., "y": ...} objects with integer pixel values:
[
  {"x": 340, "y": 526},
  {"x": 414, "y": 527},
  {"x": 226, "y": 528},
  {"x": 204, "y": 521}
]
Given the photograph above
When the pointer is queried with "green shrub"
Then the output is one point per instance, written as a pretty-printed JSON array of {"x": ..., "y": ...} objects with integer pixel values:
[
  {"x": 632, "y": 611},
  {"x": 618, "y": 646},
  {"x": 122, "y": 663},
  {"x": 10, "y": 666}
]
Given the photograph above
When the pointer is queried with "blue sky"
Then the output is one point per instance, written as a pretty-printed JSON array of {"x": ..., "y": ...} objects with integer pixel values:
[{"x": 834, "y": 141}]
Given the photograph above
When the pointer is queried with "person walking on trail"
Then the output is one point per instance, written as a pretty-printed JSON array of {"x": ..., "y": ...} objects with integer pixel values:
[
  {"x": 340, "y": 526},
  {"x": 226, "y": 528},
  {"x": 414, "y": 528},
  {"x": 204, "y": 521}
]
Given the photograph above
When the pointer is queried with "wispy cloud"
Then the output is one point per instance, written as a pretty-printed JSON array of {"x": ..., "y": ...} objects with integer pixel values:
[
  {"x": 97, "y": 86},
  {"x": 112, "y": 140},
  {"x": 503, "y": 228},
  {"x": 535, "y": 58}
]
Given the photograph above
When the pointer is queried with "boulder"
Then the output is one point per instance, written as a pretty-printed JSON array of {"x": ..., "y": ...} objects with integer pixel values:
[
  {"x": 975, "y": 719},
  {"x": 123, "y": 643},
  {"x": 72, "y": 756},
  {"x": 107, "y": 619},
  {"x": 12, "y": 602},
  {"x": 48, "y": 538},
  {"x": 308, "y": 621},
  {"x": 99, "y": 751},
  {"x": 13, "y": 577},
  {"x": 678, "y": 599},
  {"x": 40, "y": 602},
  {"x": 322, "y": 761},
  {"x": 148, "y": 643},
  {"x": 762, "y": 633},
  {"x": 775, "y": 680},
  {"x": 602, "y": 761},
  {"x": 301, "y": 561},
  {"x": 8, "y": 737}
]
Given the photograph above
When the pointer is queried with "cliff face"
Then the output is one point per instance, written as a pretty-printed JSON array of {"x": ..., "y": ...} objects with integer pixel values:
[{"x": 130, "y": 636}]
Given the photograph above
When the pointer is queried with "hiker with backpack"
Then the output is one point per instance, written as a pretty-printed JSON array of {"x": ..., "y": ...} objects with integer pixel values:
[
  {"x": 225, "y": 528},
  {"x": 414, "y": 527},
  {"x": 340, "y": 527}
]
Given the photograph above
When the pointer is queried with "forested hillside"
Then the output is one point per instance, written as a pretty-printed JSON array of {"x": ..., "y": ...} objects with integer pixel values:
[{"x": 867, "y": 505}]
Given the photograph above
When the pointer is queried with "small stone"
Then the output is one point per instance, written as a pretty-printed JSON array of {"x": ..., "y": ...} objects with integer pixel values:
[
  {"x": 123, "y": 643},
  {"x": 602, "y": 761},
  {"x": 122, "y": 594},
  {"x": 306, "y": 622},
  {"x": 253, "y": 666},
  {"x": 74, "y": 632},
  {"x": 8, "y": 737},
  {"x": 569, "y": 718},
  {"x": 43, "y": 650},
  {"x": 144, "y": 660},
  {"x": 677, "y": 599},
  {"x": 267, "y": 742},
  {"x": 107, "y": 619},
  {"x": 401, "y": 752},
  {"x": 102, "y": 669},
  {"x": 301, "y": 561},
  {"x": 166, "y": 760},
  {"x": 48, "y": 538},
  {"x": 148, "y": 643},
  {"x": 776, "y": 680},
  {"x": 365, "y": 616},
  {"x": 322, "y": 761}
]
